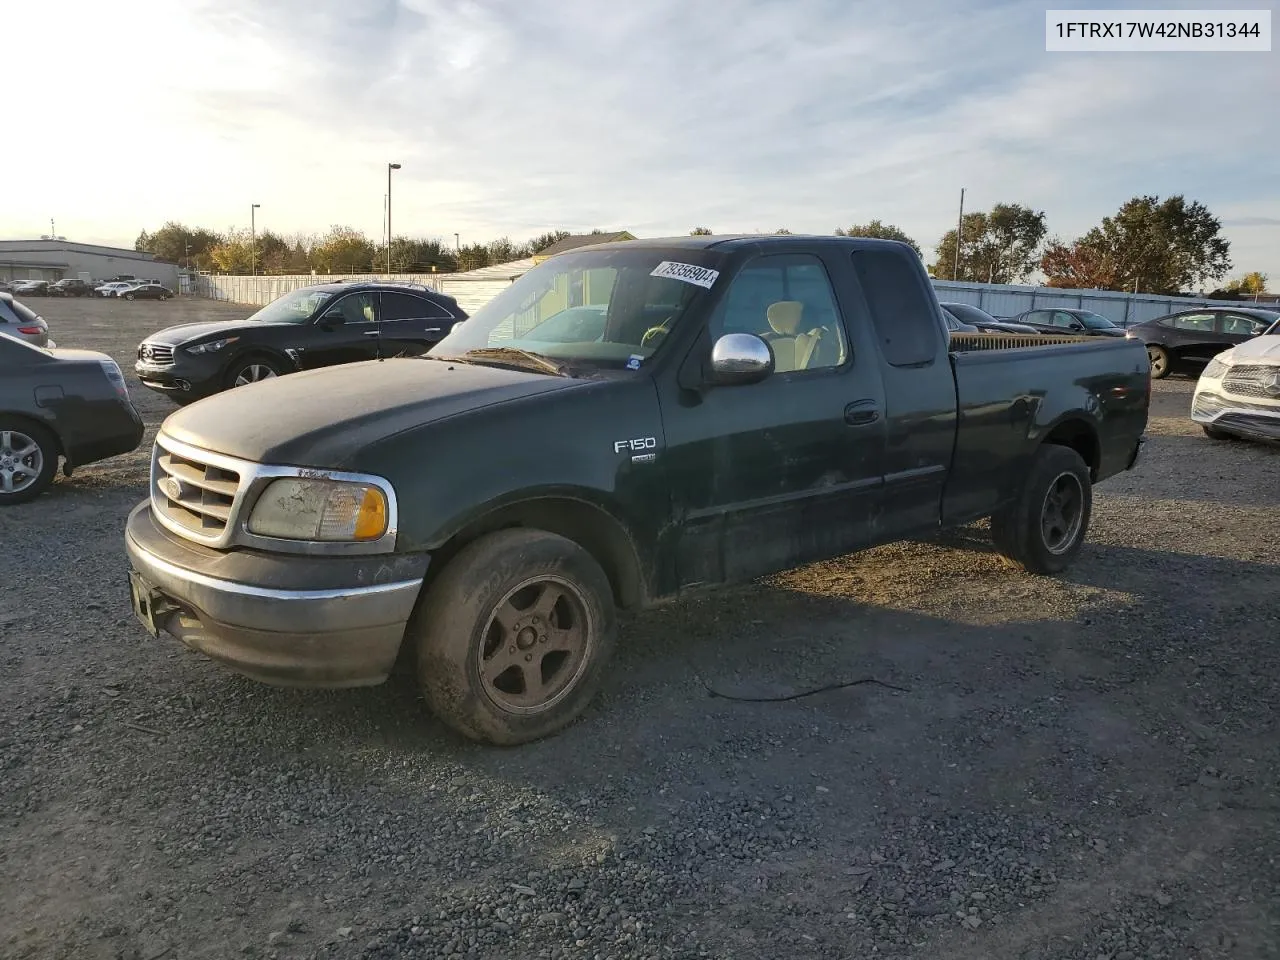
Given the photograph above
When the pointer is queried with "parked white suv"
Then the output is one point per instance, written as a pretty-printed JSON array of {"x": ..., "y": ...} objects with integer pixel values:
[{"x": 1238, "y": 394}]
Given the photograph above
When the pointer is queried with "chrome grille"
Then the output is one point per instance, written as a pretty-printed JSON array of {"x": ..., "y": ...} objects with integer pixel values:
[
  {"x": 1252, "y": 371},
  {"x": 1245, "y": 388},
  {"x": 157, "y": 354},
  {"x": 195, "y": 493}
]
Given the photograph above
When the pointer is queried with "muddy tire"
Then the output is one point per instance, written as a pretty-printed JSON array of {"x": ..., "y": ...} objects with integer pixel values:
[
  {"x": 1044, "y": 529},
  {"x": 514, "y": 635},
  {"x": 28, "y": 460},
  {"x": 1161, "y": 364}
]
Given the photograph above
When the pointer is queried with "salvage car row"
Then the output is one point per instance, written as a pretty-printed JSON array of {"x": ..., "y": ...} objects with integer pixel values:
[{"x": 620, "y": 427}]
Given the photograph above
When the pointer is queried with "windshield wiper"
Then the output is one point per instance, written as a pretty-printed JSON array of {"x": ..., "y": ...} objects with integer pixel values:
[{"x": 515, "y": 357}]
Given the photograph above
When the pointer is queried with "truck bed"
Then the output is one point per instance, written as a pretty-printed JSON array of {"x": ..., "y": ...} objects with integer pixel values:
[{"x": 1098, "y": 400}]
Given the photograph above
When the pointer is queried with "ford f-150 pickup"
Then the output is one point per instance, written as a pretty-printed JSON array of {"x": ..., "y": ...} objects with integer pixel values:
[{"x": 623, "y": 425}]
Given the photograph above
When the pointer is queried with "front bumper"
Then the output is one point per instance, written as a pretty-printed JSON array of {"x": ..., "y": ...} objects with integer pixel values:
[
  {"x": 190, "y": 378},
  {"x": 1243, "y": 418},
  {"x": 294, "y": 621}
]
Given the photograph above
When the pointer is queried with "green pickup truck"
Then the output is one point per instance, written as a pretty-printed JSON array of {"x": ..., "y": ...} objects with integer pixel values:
[{"x": 624, "y": 425}]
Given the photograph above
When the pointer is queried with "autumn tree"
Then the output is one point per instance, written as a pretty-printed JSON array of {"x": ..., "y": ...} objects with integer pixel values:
[
  {"x": 1250, "y": 285},
  {"x": 883, "y": 231},
  {"x": 1001, "y": 245},
  {"x": 343, "y": 250},
  {"x": 1151, "y": 245},
  {"x": 232, "y": 253}
]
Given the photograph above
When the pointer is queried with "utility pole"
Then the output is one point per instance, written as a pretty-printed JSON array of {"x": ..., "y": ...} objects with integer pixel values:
[
  {"x": 390, "y": 167},
  {"x": 457, "y": 243},
  {"x": 253, "y": 239},
  {"x": 955, "y": 270}
]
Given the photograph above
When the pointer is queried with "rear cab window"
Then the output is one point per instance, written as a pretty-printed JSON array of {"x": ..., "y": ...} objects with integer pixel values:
[{"x": 902, "y": 313}]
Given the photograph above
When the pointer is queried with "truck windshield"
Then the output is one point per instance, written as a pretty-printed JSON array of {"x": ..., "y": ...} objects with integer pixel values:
[
  {"x": 298, "y": 306},
  {"x": 609, "y": 309}
]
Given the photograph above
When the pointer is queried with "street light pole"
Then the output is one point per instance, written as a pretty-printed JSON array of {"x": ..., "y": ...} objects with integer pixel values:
[
  {"x": 955, "y": 270},
  {"x": 253, "y": 240},
  {"x": 390, "y": 167}
]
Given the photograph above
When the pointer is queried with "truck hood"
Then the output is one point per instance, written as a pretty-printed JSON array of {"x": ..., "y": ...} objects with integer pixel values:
[
  {"x": 321, "y": 418},
  {"x": 185, "y": 332},
  {"x": 1259, "y": 348}
]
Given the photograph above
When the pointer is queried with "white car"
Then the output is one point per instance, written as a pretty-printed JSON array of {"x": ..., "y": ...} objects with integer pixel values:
[
  {"x": 114, "y": 289},
  {"x": 1238, "y": 394}
]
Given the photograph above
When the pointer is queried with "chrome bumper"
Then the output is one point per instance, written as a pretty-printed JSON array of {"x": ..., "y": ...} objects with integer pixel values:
[{"x": 340, "y": 636}]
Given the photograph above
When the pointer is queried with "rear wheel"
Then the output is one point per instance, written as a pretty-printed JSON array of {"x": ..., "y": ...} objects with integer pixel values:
[
  {"x": 28, "y": 460},
  {"x": 1160, "y": 362},
  {"x": 252, "y": 370},
  {"x": 513, "y": 636},
  {"x": 1045, "y": 527}
]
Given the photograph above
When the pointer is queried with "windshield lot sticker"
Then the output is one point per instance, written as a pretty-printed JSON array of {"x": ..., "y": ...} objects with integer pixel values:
[
  {"x": 699, "y": 276},
  {"x": 634, "y": 361}
]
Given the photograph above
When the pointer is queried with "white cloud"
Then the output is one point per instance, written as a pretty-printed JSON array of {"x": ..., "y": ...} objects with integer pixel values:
[{"x": 513, "y": 118}]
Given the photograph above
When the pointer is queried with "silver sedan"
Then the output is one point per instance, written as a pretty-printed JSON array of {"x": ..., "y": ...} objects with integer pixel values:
[{"x": 19, "y": 321}]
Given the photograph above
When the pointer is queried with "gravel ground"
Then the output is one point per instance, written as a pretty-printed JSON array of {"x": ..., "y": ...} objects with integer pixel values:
[{"x": 1078, "y": 767}]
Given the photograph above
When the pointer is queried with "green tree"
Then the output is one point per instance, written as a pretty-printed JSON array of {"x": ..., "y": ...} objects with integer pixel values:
[
  {"x": 343, "y": 250},
  {"x": 541, "y": 242},
  {"x": 473, "y": 257},
  {"x": 783, "y": 231},
  {"x": 503, "y": 250},
  {"x": 176, "y": 242},
  {"x": 883, "y": 231},
  {"x": 410, "y": 255},
  {"x": 1151, "y": 245},
  {"x": 700, "y": 232},
  {"x": 999, "y": 246}
]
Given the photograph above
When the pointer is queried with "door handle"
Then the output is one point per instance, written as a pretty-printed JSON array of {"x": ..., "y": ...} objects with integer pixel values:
[{"x": 860, "y": 413}]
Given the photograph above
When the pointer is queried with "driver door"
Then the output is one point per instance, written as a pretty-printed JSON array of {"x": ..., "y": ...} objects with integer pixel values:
[
  {"x": 343, "y": 333},
  {"x": 770, "y": 475}
]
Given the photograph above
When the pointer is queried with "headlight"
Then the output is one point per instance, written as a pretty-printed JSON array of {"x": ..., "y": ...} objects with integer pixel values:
[
  {"x": 213, "y": 346},
  {"x": 1215, "y": 369},
  {"x": 298, "y": 508}
]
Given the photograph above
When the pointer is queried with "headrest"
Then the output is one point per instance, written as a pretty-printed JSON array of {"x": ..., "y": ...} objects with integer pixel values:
[{"x": 784, "y": 317}]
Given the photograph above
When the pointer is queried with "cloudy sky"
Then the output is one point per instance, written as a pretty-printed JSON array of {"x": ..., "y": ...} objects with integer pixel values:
[{"x": 512, "y": 117}]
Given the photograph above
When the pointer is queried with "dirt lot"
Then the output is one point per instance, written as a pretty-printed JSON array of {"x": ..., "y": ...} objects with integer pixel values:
[{"x": 1084, "y": 767}]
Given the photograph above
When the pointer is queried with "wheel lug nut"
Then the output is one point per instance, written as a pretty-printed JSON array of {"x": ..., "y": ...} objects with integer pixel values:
[
  {"x": 511, "y": 649},
  {"x": 542, "y": 639},
  {"x": 528, "y": 658}
]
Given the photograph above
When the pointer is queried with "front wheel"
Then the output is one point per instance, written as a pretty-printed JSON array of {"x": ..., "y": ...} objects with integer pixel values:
[
  {"x": 1044, "y": 529},
  {"x": 252, "y": 370},
  {"x": 28, "y": 460},
  {"x": 1160, "y": 363},
  {"x": 513, "y": 636}
]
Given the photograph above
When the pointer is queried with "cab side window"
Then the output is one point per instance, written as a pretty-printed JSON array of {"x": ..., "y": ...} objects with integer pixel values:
[{"x": 787, "y": 301}]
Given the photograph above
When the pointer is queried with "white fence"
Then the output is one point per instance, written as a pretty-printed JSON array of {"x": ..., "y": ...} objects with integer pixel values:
[{"x": 996, "y": 299}]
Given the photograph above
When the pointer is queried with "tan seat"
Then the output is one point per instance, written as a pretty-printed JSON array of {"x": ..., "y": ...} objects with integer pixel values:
[{"x": 792, "y": 350}]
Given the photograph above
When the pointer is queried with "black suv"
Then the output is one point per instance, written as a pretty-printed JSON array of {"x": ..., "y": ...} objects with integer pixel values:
[
  {"x": 71, "y": 287},
  {"x": 316, "y": 326}
]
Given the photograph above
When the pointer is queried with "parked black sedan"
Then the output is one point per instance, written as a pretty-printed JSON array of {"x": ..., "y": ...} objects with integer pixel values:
[
  {"x": 1191, "y": 338},
  {"x": 1069, "y": 322},
  {"x": 71, "y": 404},
  {"x": 982, "y": 321},
  {"x": 316, "y": 326}
]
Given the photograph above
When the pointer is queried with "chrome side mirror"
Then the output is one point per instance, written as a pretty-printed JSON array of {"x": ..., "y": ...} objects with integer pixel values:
[{"x": 740, "y": 358}]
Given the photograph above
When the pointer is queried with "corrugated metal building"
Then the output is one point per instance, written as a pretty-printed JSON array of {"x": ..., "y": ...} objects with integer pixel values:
[{"x": 55, "y": 259}]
